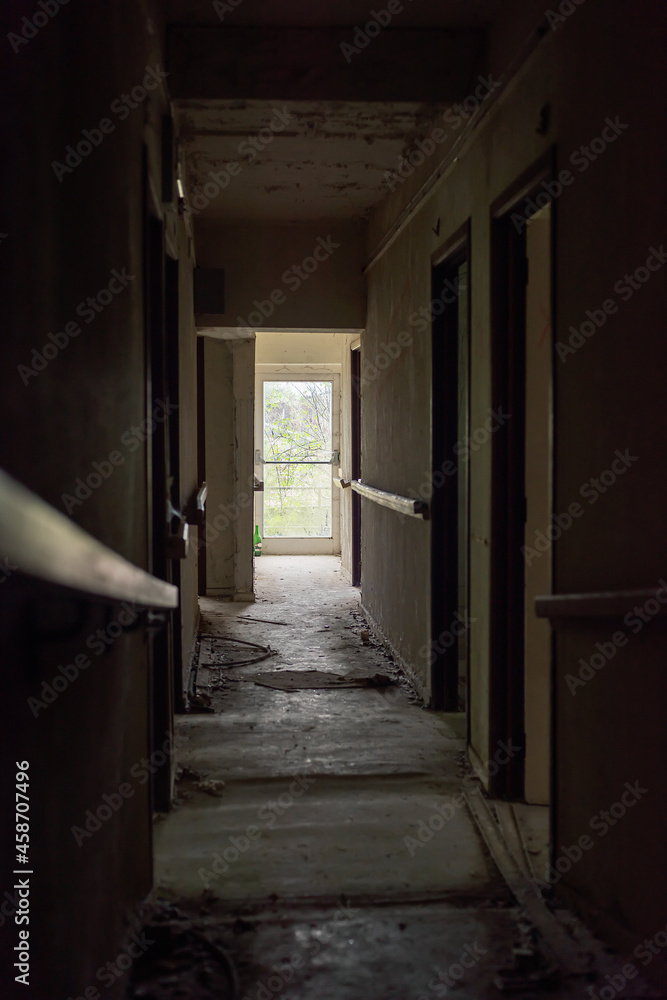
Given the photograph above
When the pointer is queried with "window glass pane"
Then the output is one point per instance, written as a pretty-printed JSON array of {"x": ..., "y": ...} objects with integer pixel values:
[
  {"x": 297, "y": 421},
  {"x": 297, "y": 428},
  {"x": 297, "y": 501}
]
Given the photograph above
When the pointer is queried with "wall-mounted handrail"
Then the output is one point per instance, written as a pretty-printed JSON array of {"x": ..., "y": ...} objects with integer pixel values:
[
  {"x": 342, "y": 484},
  {"x": 196, "y": 509},
  {"x": 604, "y": 604},
  {"x": 40, "y": 541},
  {"x": 404, "y": 505}
]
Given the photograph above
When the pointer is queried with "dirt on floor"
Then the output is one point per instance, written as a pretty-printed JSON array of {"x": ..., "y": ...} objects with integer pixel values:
[{"x": 319, "y": 847}]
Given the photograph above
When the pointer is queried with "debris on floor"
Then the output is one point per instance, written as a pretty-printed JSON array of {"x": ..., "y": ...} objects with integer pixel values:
[
  {"x": 210, "y": 786},
  {"x": 341, "y": 861},
  {"x": 183, "y": 961},
  {"x": 530, "y": 967},
  {"x": 264, "y": 621},
  {"x": 311, "y": 680},
  {"x": 200, "y": 703},
  {"x": 227, "y": 651}
]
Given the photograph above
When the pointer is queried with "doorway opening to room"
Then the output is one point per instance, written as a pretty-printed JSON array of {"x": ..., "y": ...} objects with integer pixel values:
[
  {"x": 522, "y": 485},
  {"x": 297, "y": 448}
]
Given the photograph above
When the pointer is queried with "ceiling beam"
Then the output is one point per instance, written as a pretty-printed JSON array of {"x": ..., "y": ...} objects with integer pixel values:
[{"x": 306, "y": 64}]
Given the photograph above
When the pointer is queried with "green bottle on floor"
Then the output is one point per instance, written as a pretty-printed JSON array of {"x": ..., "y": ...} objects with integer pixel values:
[{"x": 257, "y": 542}]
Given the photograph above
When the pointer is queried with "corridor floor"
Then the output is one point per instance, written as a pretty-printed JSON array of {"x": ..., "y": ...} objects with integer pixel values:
[{"x": 307, "y": 864}]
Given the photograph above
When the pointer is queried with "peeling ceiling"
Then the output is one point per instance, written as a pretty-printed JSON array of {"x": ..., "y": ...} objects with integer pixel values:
[
  {"x": 326, "y": 159},
  {"x": 295, "y": 161}
]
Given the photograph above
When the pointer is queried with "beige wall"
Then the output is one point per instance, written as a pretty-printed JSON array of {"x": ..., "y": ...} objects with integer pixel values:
[
  {"x": 219, "y": 420},
  {"x": 301, "y": 348},
  {"x": 259, "y": 262},
  {"x": 600, "y": 64},
  {"x": 229, "y": 418}
]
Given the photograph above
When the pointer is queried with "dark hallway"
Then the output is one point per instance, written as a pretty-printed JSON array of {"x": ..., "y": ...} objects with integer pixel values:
[{"x": 338, "y": 330}]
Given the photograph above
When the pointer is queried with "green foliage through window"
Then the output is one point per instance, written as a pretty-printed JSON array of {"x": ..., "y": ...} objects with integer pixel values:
[{"x": 297, "y": 428}]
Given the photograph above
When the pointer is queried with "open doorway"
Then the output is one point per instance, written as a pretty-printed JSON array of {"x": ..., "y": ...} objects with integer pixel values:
[
  {"x": 297, "y": 447},
  {"x": 522, "y": 489}
]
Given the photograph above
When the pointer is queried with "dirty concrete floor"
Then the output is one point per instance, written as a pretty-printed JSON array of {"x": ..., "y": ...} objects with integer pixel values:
[{"x": 295, "y": 838}]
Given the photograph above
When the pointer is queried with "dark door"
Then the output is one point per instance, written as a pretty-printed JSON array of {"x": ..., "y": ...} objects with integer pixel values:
[
  {"x": 201, "y": 458},
  {"x": 509, "y": 266},
  {"x": 450, "y": 483},
  {"x": 173, "y": 444},
  {"x": 520, "y": 696}
]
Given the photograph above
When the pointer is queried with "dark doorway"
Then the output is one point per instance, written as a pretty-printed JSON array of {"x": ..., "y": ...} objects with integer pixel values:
[
  {"x": 172, "y": 378},
  {"x": 521, "y": 484},
  {"x": 450, "y": 309},
  {"x": 356, "y": 465},
  {"x": 201, "y": 458}
]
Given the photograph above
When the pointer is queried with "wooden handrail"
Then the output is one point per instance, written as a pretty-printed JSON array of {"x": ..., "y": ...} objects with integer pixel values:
[
  {"x": 41, "y": 542},
  {"x": 404, "y": 505},
  {"x": 604, "y": 604}
]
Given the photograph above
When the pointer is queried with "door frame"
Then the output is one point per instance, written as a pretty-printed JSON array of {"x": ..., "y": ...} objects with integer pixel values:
[
  {"x": 299, "y": 373},
  {"x": 509, "y": 279},
  {"x": 161, "y": 643},
  {"x": 355, "y": 468}
]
